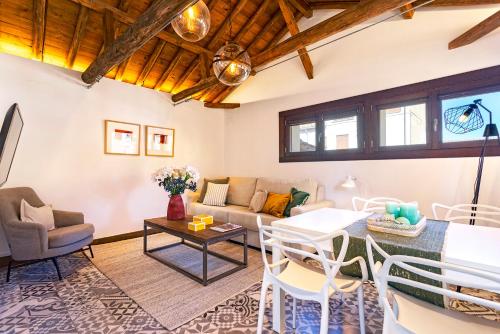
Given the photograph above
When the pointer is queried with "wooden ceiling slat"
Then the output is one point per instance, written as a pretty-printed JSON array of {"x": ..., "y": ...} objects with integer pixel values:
[
  {"x": 39, "y": 24},
  {"x": 191, "y": 68},
  {"x": 160, "y": 44},
  {"x": 164, "y": 77},
  {"x": 78, "y": 34},
  {"x": 276, "y": 19},
  {"x": 253, "y": 20},
  {"x": 109, "y": 29}
]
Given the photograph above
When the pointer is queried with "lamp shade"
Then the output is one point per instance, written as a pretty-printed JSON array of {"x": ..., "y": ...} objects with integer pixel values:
[
  {"x": 194, "y": 23},
  {"x": 463, "y": 119},
  {"x": 232, "y": 64},
  {"x": 349, "y": 183}
]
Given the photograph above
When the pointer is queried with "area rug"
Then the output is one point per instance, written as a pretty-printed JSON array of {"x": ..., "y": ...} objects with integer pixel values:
[{"x": 170, "y": 297}]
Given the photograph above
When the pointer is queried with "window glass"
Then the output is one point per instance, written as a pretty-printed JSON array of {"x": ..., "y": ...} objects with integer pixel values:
[
  {"x": 341, "y": 133},
  {"x": 303, "y": 137},
  {"x": 458, "y": 119},
  {"x": 404, "y": 125}
]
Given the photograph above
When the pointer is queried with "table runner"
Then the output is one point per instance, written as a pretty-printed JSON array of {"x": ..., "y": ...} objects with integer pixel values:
[{"x": 429, "y": 244}]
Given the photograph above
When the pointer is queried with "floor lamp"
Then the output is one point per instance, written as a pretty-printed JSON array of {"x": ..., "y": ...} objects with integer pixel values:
[{"x": 467, "y": 118}]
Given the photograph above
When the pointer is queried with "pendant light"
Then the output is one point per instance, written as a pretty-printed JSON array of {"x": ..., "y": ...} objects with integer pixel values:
[
  {"x": 231, "y": 62},
  {"x": 194, "y": 23}
]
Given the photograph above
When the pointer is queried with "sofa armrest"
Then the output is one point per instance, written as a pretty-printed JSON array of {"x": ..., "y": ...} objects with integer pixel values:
[
  {"x": 28, "y": 241},
  {"x": 193, "y": 196},
  {"x": 310, "y": 207},
  {"x": 67, "y": 218}
]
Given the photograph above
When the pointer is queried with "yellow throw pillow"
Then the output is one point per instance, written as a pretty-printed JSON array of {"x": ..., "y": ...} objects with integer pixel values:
[{"x": 275, "y": 204}]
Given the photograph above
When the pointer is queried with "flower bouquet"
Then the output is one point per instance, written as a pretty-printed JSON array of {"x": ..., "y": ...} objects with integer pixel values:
[{"x": 175, "y": 181}]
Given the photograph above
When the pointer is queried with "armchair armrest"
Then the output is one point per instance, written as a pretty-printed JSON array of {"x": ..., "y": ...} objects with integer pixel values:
[
  {"x": 67, "y": 218},
  {"x": 310, "y": 207},
  {"x": 28, "y": 241}
]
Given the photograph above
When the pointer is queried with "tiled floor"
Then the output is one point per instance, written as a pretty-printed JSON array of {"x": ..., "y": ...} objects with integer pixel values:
[{"x": 88, "y": 302}]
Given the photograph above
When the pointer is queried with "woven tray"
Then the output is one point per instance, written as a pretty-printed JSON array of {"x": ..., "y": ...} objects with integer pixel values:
[{"x": 385, "y": 228}]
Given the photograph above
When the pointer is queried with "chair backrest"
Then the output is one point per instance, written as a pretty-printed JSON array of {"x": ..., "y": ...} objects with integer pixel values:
[
  {"x": 375, "y": 266},
  {"x": 461, "y": 213},
  {"x": 10, "y": 202},
  {"x": 375, "y": 204},
  {"x": 290, "y": 242},
  {"x": 476, "y": 279}
]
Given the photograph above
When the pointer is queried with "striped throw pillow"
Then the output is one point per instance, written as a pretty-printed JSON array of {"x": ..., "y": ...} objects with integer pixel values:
[{"x": 216, "y": 194}]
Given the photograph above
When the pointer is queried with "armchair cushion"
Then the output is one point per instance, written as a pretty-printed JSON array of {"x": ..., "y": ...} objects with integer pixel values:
[
  {"x": 42, "y": 215},
  {"x": 64, "y": 236},
  {"x": 67, "y": 218}
]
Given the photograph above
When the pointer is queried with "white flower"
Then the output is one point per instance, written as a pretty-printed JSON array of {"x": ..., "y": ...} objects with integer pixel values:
[{"x": 193, "y": 173}]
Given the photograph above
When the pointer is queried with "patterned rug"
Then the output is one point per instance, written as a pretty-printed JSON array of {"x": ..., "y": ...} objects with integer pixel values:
[{"x": 88, "y": 302}]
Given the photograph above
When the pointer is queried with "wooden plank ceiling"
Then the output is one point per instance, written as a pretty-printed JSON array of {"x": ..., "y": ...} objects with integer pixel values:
[{"x": 73, "y": 33}]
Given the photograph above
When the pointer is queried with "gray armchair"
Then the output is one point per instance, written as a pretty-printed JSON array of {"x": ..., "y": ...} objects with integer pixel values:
[{"x": 31, "y": 241}]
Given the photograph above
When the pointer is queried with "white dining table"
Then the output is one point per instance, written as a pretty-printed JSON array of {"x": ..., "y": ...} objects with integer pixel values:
[{"x": 473, "y": 246}]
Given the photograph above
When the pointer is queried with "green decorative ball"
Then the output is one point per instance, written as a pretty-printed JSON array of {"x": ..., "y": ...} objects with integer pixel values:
[{"x": 403, "y": 220}]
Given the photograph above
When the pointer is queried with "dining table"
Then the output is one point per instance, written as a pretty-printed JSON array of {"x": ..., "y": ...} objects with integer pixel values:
[{"x": 473, "y": 246}]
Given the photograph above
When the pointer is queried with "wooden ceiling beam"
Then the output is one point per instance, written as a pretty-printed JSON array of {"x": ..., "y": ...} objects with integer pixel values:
[
  {"x": 221, "y": 105},
  {"x": 253, "y": 20},
  {"x": 279, "y": 36},
  {"x": 123, "y": 17},
  {"x": 160, "y": 44},
  {"x": 109, "y": 29},
  {"x": 122, "y": 67},
  {"x": 225, "y": 25},
  {"x": 152, "y": 21},
  {"x": 407, "y": 11},
  {"x": 205, "y": 66},
  {"x": 303, "y": 7},
  {"x": 39, "y": 24},
  {"x": 332, "y": 4},
  {"x": 81, "y": 25},
  {"x": 166, "y": 74},
  {"x": 478, "y": 31},
  {"x": 347, "y": 19},
  {"x": 203, "y": 84},
  {"x": 276, "y": 18},
  {"x": 294, "y": 30}
]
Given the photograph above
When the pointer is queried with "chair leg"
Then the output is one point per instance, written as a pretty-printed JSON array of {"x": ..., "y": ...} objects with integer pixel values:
[
  {"x": 262, "y": 307},
  {"x": 91, "y": 252},
  {"x": 9, "y": 268},
  {"x": 361, "y": 306},
  {"x": 57, "y": 268},
  {"x": 294, "y": 312},
  {"x": 325, "y": 310}
]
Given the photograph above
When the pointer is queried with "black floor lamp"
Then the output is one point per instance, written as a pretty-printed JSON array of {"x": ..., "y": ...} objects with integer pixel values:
[{"x": 467, "y": 118}]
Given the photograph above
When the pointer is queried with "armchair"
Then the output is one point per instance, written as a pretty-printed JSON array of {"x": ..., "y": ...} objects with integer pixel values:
[{"x": 31, "y": 241}]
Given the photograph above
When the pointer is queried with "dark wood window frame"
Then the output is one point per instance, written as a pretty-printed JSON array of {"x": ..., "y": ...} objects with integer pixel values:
[{"x": 368, "y": 106}]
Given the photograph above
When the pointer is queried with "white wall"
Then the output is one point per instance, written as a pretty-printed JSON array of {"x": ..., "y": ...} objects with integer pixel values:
[
  {"x": 60, "y": 153},
  {"x": 392, "y": 54}
]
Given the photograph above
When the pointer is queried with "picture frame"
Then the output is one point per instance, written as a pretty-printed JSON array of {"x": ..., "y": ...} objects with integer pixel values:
[
  {"x": 160, "y": 142},
  {"x": 122, "y": 138}
]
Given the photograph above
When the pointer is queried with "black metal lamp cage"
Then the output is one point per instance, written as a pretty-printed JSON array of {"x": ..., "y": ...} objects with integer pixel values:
[{"x": 463, "y": 119}]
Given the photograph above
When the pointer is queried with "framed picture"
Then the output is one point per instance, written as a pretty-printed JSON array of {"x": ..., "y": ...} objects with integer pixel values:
[
  {"x": 160, "y": 141},
  {"x": 122, "y": 138}
]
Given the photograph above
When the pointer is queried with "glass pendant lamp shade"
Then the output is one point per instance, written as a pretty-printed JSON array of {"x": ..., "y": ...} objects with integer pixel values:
[
  {"x": 194, "y": 23},
  {"x": 232, "y": 64}
]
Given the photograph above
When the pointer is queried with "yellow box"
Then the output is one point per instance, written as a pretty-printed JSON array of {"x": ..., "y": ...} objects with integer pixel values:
[
  {"x": 196, "y": 226},
  {"x": 207, "y": 219}
]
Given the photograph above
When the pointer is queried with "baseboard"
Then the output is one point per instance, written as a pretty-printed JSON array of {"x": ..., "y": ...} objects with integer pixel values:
[{"x": 124, "y": 236}]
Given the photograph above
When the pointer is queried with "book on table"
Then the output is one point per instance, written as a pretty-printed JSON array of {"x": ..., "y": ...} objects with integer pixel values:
[{"x": 225, "y": 227}]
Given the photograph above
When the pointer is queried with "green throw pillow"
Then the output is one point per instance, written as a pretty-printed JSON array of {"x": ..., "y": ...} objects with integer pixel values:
[{"x": 297, "y": 198}]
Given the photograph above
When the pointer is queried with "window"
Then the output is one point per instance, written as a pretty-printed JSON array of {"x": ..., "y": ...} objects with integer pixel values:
[
  {"x": 407, "y": 122},
  {"x": 490, "y": 100},
  {"x": 303, "y": 137},
  {"x": 403, "y": 125}
]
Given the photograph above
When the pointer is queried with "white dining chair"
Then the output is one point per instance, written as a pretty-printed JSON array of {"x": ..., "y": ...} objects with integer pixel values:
[
  {"x": 375, "y": 204},
  {"x": 404, "y": 314},
  {"x": 462, "y": 213},
  {"x": 305, "y": 283}
]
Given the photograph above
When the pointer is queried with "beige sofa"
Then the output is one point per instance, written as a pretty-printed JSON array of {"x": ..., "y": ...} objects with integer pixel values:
[{"x": 241, "y": 190}]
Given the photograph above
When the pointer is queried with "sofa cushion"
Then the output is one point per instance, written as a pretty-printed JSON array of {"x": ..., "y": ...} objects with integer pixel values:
[
  {"x": 241, "y": 190},
  {"x": 248, "y": 219},
  {"x": 284, "y": 186},
  {"x": 258, "y": 201},
  {"x": 220, "y": 213},
  {"x": 216, "y": 194},
  {"x": 203, "y": 190},
  {"x": 297, "y": 198},
  {"x": 276, "y": 204},
  {"x": 68, "y": 235}
]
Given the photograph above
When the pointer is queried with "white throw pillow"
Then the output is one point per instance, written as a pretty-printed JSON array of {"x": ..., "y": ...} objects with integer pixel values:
[
  {"x": 258, "y": 201},
  {"x": 216, "y": 194},
  {"x": 42, "y": 215}
]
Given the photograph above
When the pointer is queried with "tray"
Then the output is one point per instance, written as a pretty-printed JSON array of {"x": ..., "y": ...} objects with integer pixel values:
[{"x": 383, "y": 227}]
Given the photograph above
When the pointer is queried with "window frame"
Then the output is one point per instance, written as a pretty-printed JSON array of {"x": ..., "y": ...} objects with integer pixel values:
[{"x": 368, "y": 108}]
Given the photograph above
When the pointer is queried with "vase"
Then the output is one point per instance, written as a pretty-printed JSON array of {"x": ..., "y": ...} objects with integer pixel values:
[{"x": 175, "y": 209}]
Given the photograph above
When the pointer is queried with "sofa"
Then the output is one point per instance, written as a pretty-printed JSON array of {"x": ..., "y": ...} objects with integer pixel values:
[{"x": 240, "y": 193}]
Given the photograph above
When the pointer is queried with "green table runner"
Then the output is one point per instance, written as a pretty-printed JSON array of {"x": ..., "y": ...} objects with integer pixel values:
[{"x": 429, "y": 245}]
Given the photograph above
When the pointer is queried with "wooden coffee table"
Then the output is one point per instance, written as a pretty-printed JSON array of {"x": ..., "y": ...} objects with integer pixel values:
[{"x": 199, "y": 240}]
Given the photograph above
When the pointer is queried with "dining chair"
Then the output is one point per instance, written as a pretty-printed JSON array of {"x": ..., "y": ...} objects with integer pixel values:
[
  {"x": 303, "y": 282},
  {"x": 375, "y": 204},
  {"x": 404, "y": 314},
  {"x": 462, "y": 213}
]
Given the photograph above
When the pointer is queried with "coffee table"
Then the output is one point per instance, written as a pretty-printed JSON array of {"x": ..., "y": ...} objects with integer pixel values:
[{"x": 199, "y": 240}]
